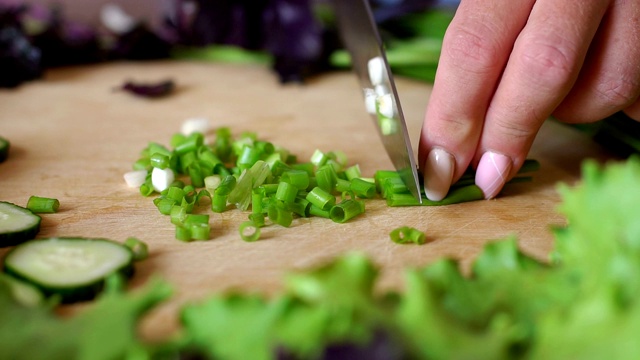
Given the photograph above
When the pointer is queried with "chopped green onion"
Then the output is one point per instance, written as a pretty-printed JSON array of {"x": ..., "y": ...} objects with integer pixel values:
[
  {"x": 249, "y": 156},
  {"x": 455, "y": 196},
  {"x": 146, "y": 189},
  {"x": 265, "y": 147},
  {"x": 318, "y": 158},
  {"x": 279, "y": 167},
  {"x": 297, "y": 178},
  {"x": 343, "y": 185},
  {"x": 194, "y": 219},
  {"x": 183, "y": 233},
  {"x": 307, "y": 167},
  {"x": 211, "y": 182},
  {"x": 155, "y": 148},
  {"x": 250, "y": 172},
  {"x": 178, "y": 214},
  {"x": 249, "y": 232},
  {"x": 195, "y": 125},
  {"x": 353, "y": 172},
  {"x": 301, "y": 207},
  {"x": 161, "y": 179},
  {"x": 142, "y": 164},
  {"x": 207, "y": 156},
  {"x": 269, "y": 189},
  {"x": 39, "y": 204},
  {"x": 363, "y": 188},
  {"x": 139, "y": 248},
  {"x": 279, "y": 215},
  {"x": 346, "y": 210},
  {"x": 326, "y": 178},
  {"x": 135, "y": 178},
  {"x": 5, "y": 145},
  {"x": 200, "y": 231},
  {"x": 286, "y": 192},
  {"x": 177, "y": 139},
  {"x": 257, "y": 196},
  {"x": 222, "y": 143},
  {"x": 185, "y": 160},
  {"x": 406, "y": 234},
  {"x": 257, "y": 219},
  {"x": 159, "y": 160},
  {"x": 395, "y": 185},
  {"x": 175, "y": 193},
  {"x": 219, "y": 202},
  {"x": 381, "y": 176},
  {"x": 190, "y": 144},
  {"x": 529, "y": 165},
  {"x": 196, "y": 174},
  {"x": 321, "y": 198},
  {"x": 164, "y": 205},
  {"x": 338, "y": 156}
]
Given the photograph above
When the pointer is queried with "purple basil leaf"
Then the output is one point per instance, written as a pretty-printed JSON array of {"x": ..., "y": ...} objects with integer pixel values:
[
  {"x": 63, "y": 42},
  {"x": 150, "y": 90},
  {"x": 294, "y": 37},
  {"x": 140, "y": 43},
  {"x": 19, "y": 60}
]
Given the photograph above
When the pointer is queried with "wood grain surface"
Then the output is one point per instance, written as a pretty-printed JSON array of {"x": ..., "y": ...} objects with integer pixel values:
[{"x": 73, "y": 137}]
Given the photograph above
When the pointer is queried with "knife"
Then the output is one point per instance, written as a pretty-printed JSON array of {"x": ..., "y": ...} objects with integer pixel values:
[{"x": 362, "y": 40}]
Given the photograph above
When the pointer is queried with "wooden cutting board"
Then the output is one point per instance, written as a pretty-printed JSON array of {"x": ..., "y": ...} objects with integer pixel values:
[{"x": 73, "y": 137}]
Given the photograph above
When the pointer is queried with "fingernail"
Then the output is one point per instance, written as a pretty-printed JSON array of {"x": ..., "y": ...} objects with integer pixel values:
[
  {"x": 438, "y": 173},
  {"x": 492, "y": 173}
]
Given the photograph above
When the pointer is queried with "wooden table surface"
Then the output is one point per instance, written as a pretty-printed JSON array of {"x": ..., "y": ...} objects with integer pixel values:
[{"x": 73, "y": 137}]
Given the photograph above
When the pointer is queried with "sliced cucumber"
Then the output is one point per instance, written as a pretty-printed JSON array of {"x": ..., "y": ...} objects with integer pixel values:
[
  {"x": 4, "y": 149},
  {"x": 17, "y": 224},
  {"x": 73, "y": 268}
]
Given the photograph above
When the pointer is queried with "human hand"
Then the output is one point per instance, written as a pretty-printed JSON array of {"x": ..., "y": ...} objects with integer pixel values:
[{"x": 506, "y": 66}]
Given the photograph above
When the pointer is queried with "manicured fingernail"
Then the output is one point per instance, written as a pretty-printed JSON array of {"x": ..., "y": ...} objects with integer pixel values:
[
  {"x": 438, "y": 173},
  {"x": 492, "y": 173}
]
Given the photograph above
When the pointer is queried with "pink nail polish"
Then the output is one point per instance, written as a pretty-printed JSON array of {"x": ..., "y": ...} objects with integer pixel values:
[
  {"x": 438, "y": 173},
  {"x": 492, "y": 174}
]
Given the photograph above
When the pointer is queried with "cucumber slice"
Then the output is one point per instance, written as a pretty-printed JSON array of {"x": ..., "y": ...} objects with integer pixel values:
[
  {"x": 4, "y": 149},
  {"x": 17, "y": 224},
  {"x": 73, "y": 268}
]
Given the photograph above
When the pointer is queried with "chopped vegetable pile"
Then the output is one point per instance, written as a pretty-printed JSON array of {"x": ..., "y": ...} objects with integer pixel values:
[
  {"x": 266, "y": 180},
  {"x": 583, "y": 303}
]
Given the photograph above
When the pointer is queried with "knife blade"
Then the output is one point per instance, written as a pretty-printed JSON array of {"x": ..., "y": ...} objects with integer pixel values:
[{"x": 362, "y": 40}]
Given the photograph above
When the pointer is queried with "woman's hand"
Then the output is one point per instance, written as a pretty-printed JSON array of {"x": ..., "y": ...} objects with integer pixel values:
[{"x": 507, "y": 65}]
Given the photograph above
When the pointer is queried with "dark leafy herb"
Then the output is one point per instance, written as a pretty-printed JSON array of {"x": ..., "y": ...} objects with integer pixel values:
[
  {"x": 61, "y": 41},
  {"x": 150, "y": 90},
  {"x": 19, "y": 59},
  {"x": 140, "y": 43}
]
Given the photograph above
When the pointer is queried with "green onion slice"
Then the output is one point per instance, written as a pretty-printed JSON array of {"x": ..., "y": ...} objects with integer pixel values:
[{"x": 39, "y": 204}]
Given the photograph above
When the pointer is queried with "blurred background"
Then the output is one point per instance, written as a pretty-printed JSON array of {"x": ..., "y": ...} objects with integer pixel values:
[
  {"x": 296, "y": 38},
  {"x": 88, "y": 11}
]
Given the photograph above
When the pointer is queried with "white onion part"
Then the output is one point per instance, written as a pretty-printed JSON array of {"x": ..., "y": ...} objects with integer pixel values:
[
  {"x": 377, "y": 70},
  {"x": 370, "y": 98},
  {"x": 193, "y": 125},
  {"x": 385, "y": 105},
  {"x": 382, "y": 90},
  {"x": 114, "y": 18},
  {"x": 135, "y": 178},
  {"x": 161, "y": 179}
]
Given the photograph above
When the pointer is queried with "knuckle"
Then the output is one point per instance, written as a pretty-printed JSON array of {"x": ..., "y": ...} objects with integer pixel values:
[
  {"x": 514, "y": 130},
  {"x": 473, "y": 50},
  {"x": 454, "y": 126},
  {"x": 549, "y": 61},
  {"x": 617, "y": 92}
]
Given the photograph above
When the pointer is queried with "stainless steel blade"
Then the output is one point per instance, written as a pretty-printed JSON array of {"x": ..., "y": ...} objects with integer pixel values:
[{"x": 362, "y": 39}]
